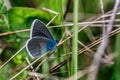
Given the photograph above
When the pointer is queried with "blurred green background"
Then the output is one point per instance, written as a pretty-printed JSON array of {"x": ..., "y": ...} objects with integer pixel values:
[{"x": 20, "y": 16}]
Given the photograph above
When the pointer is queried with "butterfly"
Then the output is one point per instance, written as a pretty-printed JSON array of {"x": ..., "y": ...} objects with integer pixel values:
[{"x": 41, "y": 40}]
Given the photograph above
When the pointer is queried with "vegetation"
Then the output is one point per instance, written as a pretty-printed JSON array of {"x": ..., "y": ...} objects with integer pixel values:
[{"x": 81, "y": 27}]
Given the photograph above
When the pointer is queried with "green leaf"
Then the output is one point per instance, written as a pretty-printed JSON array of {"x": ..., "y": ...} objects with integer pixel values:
[
  {"x": 18, "y": 59},
  {"x": 21, "y": 18}
]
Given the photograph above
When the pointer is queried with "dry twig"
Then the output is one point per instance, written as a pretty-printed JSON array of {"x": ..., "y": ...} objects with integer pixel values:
[{"x": 98, "y": 56}]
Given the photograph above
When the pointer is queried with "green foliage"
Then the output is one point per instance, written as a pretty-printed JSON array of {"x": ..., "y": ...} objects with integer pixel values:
[
  {"x": 21, "y": 18},
  {"x": 117, "y": 60},
  {"x": 18, "y": 59},
  {"x": 6, "y": 70},
  {"x": 23, "y": 75},
  {"x": 3, "y": 17},
  {"x": 3, "y": 9},
  {"x": 106, "y": 73}
]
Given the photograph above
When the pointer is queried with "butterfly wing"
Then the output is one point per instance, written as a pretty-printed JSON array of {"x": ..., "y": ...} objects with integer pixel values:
[
  {"x": 38, "y": 28},
  {"x": 40, "y": 40},
  {"x": 39, "y": 45}
]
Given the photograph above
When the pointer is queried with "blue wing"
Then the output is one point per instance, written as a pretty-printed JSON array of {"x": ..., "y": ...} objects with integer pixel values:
[
  {"x": 39, "y": 45},
  {"x": 38, "y": 28}
]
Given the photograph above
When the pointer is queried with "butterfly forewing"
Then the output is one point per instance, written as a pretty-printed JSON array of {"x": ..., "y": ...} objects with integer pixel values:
[{"x": 39, "y": 29}]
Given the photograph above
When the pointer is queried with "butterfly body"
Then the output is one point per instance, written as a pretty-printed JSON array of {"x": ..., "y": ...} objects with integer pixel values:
[
  {"x": 41, "y": 40},
  {"x": 51, "y": 45}
]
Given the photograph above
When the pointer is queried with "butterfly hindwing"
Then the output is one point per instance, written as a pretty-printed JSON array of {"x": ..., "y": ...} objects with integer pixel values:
[
  {"x": 38, "y": 28},
  {"x": 39, "y": 45}
]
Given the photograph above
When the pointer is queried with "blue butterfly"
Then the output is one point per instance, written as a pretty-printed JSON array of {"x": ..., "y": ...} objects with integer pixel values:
[{"x": 41, "y": 40}]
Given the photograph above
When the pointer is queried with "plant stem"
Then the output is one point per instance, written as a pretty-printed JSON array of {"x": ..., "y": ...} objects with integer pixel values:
[{"x": 74, "y": 40}]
